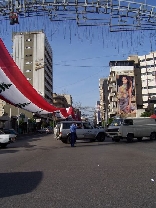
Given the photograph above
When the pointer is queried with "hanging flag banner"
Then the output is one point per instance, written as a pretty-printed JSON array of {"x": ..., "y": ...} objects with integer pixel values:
[{"x": 16, "y": 89}]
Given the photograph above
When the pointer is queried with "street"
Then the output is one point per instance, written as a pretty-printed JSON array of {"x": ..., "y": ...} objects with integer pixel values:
[{"x": 39, "y": 171}]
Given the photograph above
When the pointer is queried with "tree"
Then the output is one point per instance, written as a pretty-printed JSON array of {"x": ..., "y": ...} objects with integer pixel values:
[{"x": 146, "y": 114}]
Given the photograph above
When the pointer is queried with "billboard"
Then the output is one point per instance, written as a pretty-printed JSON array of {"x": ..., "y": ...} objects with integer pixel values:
[
  {"x": 126, "y": 95},
  {"x": 122, "y": 68}
]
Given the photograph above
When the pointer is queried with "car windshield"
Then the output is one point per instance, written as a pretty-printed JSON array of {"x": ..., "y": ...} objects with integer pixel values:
[{"x": 117, "y": 122}]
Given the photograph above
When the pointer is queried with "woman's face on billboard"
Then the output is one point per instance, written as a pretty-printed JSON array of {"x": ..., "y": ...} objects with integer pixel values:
[{"x": 124, "y": 80}]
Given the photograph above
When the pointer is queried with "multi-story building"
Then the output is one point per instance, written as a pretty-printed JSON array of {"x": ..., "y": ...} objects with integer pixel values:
[
  {"x": 104, "y": 91},
  {"x": 138, "y": 82},
  {"x": 60, "y": 101},
  {"x": 122, "y": 86},
  {"x": 2, "y": 104},
  {"x": 33, "y": 55},
  {"x": 69, "y": 99},
  {"x": 148, "y": 77},
  {"x": 98, "y": 113}
]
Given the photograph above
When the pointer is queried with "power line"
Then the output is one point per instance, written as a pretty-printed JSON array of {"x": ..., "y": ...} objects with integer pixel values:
[
  {"x": 80, "y": 80},
  {"x": 83, "y": 66}
]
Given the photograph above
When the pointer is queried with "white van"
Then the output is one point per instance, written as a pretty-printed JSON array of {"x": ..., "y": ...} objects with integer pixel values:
[{"x": 137, "y": 128}]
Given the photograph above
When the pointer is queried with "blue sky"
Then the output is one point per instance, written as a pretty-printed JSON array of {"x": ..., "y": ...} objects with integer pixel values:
[{"x": 81, "y": 55}]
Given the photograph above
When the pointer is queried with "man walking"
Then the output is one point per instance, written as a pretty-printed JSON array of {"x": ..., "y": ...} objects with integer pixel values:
[{"x": 73, "y": 128}]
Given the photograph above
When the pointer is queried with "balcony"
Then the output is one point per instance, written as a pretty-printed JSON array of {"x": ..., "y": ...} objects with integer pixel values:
[
  {"x": 114, "y": 99},
  {"x": 113, "y": 89},
  {"x": 115, "y": 110},
  {"x": 113, "y": 79},
  {"x": 111, "y": 113},
  {"x": 111, "y": 94}
]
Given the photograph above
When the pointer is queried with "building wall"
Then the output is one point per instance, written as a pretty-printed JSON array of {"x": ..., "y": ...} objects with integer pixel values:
[
  {"x": 118, "y": 69},
  {"x": 69, "y": 99},
  {"x": 33, "y": 55},
  {"x": 2, "y": 104},
  {"x": 148, "y": 77},
  {"x": 60, "y": 101},
  {"x": 104, "y": 91},
  {"x": 138, "y": 82}
]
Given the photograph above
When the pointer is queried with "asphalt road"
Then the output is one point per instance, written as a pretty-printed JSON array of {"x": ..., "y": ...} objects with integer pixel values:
[{"x": 41, "y": 172}]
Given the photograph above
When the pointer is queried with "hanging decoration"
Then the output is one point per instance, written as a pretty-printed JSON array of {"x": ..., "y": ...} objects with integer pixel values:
[{"x": 16, "y": 89}]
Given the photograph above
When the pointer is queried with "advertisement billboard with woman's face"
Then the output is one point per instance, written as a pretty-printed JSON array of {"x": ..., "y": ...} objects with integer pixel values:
[{"x": 126, "y": 95}]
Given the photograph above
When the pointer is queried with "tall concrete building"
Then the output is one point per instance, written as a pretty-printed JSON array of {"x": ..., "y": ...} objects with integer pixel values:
[
  {"x": 69, "y": 99},
  {"x": 148, "y": 77},
  {"x": 104, "y": 91},
  {"x": 125, "y": 96},
  {"x": 60, "y": 101},
  {"x": 33, "y": 55},
  {"x": 138, "y": 82}
]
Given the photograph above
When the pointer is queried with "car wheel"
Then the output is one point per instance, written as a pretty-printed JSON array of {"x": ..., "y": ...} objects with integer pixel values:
[
  {"x": 117, "y": 139},
  {"x": 3, "y": 145},
  {"x": 153, "y": 136},
  {"x": 130, "y": 137},
  {"x": 92, "y": 140},
  {"x": 68, "y": 139},
  {"x": 101, "y": 137},
  {"x": 139, "y": 139},
  {"x": 64, "y": 141}
]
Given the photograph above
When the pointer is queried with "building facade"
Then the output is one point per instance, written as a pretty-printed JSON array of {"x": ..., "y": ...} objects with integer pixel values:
[
  {"x": 60, "y": 101},
  {"x": 69, "y": 99},
  {"x": 148, "y": 77},
  {"x": 104, "y": 92},
  {"x": 33, "y": 55},
  {"x": 122, "y": 88}
]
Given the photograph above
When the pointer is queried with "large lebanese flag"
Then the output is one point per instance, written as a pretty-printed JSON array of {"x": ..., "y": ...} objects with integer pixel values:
[{"x": 16, "y": 89}]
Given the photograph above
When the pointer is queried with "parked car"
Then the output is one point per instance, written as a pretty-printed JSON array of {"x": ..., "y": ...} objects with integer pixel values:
[
  {"x": 10, "y": 131},
  {"x": 6, "y": 139},
  {"x": 45, "y": 131}
]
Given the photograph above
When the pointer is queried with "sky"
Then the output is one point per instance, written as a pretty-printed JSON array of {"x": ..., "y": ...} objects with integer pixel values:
[{"x": 81, "y": 55}]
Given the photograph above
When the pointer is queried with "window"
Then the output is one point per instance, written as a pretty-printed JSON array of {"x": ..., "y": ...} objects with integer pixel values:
[
  {"x": 66, "y": 125},
  {"x": 128, "y": 122},
  {"x": 117, "y": 122},
  {"x": 28, "y": 47},
  {"x": 28, "y": 70},
  {"x": 28, "y": 55},
  {"x": 87, "y": 126},
  {"x": 28, "y": 39},
  {"x": 28, "y": 62}
]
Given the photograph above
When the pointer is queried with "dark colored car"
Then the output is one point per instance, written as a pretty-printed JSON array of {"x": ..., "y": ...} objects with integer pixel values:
[{"x": 10, "y": 131}]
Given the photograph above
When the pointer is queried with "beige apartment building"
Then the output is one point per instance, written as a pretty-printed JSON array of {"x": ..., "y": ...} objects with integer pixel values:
[
  {"x": 148, "y": 77},
  {"x": 129, "y": 69},
  {"x": 33, "y": 55},
  {"x": 104, "y": 91},
  {"x": 69, "y": 99},
  {"x": 60, "y": 101}
]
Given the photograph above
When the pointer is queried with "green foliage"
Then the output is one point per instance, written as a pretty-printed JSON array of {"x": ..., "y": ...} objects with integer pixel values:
[
  {"x": 44, "y": 124},
  {"x": 146, "y": 114},
  {"x": 110, "y": 120},
  {"x": 32, "y": 120}
]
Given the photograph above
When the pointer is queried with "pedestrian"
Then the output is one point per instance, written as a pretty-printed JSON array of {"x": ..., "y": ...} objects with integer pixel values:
[{"x": 73, "y": 128}]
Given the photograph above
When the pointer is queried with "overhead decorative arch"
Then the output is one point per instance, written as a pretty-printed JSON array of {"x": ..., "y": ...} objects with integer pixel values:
[{"x": 16, "y": 89}]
